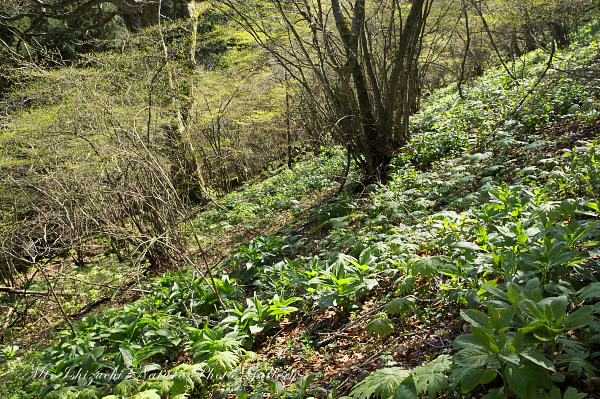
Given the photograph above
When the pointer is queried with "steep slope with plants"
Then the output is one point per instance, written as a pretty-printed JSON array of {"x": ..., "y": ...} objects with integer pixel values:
[{"x": 472, "y": 271}]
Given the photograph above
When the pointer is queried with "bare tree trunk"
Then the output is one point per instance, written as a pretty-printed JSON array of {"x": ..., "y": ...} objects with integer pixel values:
[
  {"x": 461, "y": 77},
  {"x": 288, "y": 126}
]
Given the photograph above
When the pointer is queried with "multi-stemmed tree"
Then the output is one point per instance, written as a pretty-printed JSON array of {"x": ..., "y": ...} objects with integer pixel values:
[{"x": 357, "y": 64}]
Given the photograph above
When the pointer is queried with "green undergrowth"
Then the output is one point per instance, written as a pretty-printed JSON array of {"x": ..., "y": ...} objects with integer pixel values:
[
  {"x": 491, "y": 211},
  {"x": 288, "y": 189}
]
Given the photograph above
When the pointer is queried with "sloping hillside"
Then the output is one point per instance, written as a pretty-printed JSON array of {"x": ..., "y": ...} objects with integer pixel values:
[{"x": 471, "y": 271}]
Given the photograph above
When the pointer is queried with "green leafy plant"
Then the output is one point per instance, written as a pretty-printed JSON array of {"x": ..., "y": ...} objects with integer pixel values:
[
  {"x": 395, "y": 382},
  {"x": 380, "y": 326},
  {"x": 511, "y": 340},
  {"x": 220, "y": 351},
  {"x": 381, "y": 383}
]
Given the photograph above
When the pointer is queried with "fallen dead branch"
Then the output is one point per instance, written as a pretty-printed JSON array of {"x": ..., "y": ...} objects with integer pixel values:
[{"x": 11, "y": 290}]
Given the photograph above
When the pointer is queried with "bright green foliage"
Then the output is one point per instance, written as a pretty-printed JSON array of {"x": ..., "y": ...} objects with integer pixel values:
[
  {"x": 90, "y": 393},
  {"x": 341, "y": 280},
  {"x": 405, "y": 284},
  {"x": 125, "y": 387},
  {"x": 222, "y": 362},
  {"x": 432, "y": 377},
  {"x": 185, "y": 378},
  {"x": 220, "y": 350},
  {"x": 62, "y": 393},
  {"x": 380, "y": 326},
  {"x": 380, "y": 384},
  {"x": 256, "y": 316},
  {"x": 427, "y": 266},
  {"x": 511, "y": 339},
  {"x": 591, "y": 291},
  {"x": 301, "y": 388},
  {"x": 401, "y": 306},
  {"x": 9, "y": 351},
  {"x": 148, "y": 394},
  {"x": 155, "y": 386},
  {"x": 285, "y": 190},
  {"x": 400, "y": 383}
]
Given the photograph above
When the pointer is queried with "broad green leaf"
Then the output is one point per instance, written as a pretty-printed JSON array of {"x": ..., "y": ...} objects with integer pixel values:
[
  {"x": 530, "y": 308},
  {"x": 62, "y": 393},
  {"x": 497, "y": 393},
  {"x": 405, "y": 284},
  {"x": 381, "y": 327},
  {"x": 428, "y": 266},
  {"x": 594, "y": 206},
  {"x": 365, "y": 257},
  {"x": 508, "y": 356},
  {"x": 90, "y": 393},
  {"x": 149, "y": 394},
  {"x": 579, "y": 318},
  {"x": 484, "y": 286},
  {"x": 401, "y": 306},
  {"x": 474, "y": 377},
  {"x": 432, "y": 378},
  {"x": 520, "y": 381},
  {"x": 466, "y": 341},
  {"x": 557, "y": 304},
  {"x": 406, "y": 390},
  {"x": 506, "y": 318},
  {"x": 473, "y": 357},
  {"x": 222, "y": 362},
  {"x": 486, "y": 338},
  {"x": 125, "y": 387},
  {"x": 380, "y": 384},
  {"x": 591, "y": 291},
  {"x": 476, "y": 318},
  {"x": 571, "y": 393},
  {"x": 537, "y": 358},
  {"x": 256, "y": 328},
  {"x": 327, "y": 301},
  {"x": 470, "y": 246},
  {"x": 127, "y": 356},
  {"x": 160, "y": 385},
  {"x": 513, "y": 294},
  {"x": 97, "y": 351},
  {"x": 497, "y": 292}
]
